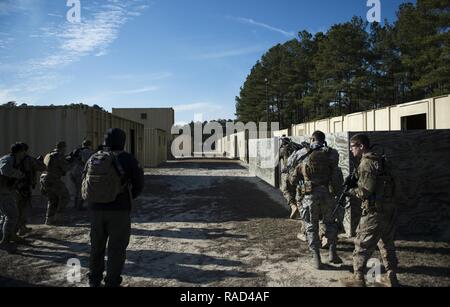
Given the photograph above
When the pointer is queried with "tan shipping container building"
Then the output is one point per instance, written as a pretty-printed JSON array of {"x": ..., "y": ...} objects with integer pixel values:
[
  {"x": 158, "y": 123},
  {"x": 42, "y": 127},
  {"x": 426, "y": 114}
]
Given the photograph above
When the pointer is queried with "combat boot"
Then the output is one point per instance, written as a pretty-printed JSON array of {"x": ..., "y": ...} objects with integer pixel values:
[
  {"x": 316, "y": 260},
  {"x": 355, "y": 281},
  {"x": 333, "y": 257},
  {"x": 295, "y": 214},
  {"x": 390, "y": 280}
]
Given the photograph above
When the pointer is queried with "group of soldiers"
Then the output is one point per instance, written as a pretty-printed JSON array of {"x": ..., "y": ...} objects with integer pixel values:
[
  {"x": 19, "y": 177},
  {"x": 312, "y": 182},
  {"x": 109, "y": 179}
]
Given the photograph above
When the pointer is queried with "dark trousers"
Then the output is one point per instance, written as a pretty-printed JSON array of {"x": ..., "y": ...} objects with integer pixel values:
[
  {"x": 23, "y": 206},
  {"x": 112, "y": 228}
]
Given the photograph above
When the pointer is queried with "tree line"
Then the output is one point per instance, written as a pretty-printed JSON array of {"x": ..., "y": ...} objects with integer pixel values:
[{"x": 354, "y": 66}]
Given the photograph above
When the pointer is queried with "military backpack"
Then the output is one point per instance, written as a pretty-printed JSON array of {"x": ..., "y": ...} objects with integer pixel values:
[{"x": 103, "y": 178}]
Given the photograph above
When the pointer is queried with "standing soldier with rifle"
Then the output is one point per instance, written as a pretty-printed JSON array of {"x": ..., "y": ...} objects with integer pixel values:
[
  {"x": 319, "y": 172},
  {"x": 375, "y": 188},
  {"x": 30, "y": 167}
]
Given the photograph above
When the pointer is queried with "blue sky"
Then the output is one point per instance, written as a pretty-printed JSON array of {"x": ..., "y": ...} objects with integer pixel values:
[{"x": 193, "y": 55}]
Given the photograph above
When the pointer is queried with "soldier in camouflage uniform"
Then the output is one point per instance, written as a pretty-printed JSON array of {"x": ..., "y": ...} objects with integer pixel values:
[
  {"x": 80, "y": 158},
  {"x": 9, "y": 177},
  {"x": 319, "y": 172},
  {"x": 53, "y": 187},
  {"x": 30, "y": 167},
  {"x": 288, "y": 184},
  {"x": 375, "y": 188}
]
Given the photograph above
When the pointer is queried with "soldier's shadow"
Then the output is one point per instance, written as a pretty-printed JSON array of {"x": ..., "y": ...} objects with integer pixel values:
[
  {"x": 187, "y": 233},
  {"x": 183, "y": 267}
]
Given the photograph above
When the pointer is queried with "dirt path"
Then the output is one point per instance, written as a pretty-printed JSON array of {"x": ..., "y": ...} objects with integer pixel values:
[{"x": 206, "y": 224}]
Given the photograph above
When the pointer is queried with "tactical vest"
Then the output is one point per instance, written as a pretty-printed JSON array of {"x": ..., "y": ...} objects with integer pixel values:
[
  {"x": 316, "y": 170},
  {"x": 53, "y": 163}
]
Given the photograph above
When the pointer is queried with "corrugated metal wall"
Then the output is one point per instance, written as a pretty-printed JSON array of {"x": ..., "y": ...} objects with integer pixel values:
[
  {"x": 98, "y": 122},
  {"x": 43, "y": 127},
  {"x": 155, "y": 148}
]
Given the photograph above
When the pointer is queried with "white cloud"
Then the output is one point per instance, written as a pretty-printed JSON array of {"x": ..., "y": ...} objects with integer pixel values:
[
  {"x": 141, "y": 77},
  {"x": 55, "y": 15},
  {"x": 263, "y": 25},
  {"x": 6, "y": 95},
  {"x": 5, "y": 42},
  {"x": 136, "y": 91},
  {"x": 92, "y": 36},
  {"x": 66, "y": 43}
]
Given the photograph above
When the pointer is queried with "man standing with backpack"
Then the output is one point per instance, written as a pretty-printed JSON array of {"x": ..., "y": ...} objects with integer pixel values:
[{"x": 111, "y": 179}]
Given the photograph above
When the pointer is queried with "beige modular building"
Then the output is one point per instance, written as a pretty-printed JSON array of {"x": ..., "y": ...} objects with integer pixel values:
[
  {"x": 155, "y": 147},
  {"x": 158, "y": 124},
  {"x": 42, "y": 127},
  {"x": 426, "y": 114}
]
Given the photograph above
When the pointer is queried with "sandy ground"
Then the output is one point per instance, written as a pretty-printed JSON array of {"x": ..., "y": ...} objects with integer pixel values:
[{"x": 206, "y": 224}]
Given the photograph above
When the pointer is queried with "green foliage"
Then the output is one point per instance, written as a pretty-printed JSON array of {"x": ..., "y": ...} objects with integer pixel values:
[{"x": 352, "y": 67}]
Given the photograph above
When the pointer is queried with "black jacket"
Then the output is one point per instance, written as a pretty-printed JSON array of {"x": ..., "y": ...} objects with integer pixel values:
[{"x": 115, "y": 140}]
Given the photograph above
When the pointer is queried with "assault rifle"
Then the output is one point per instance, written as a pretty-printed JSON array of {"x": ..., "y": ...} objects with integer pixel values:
[{"x": 349, "y": 183}]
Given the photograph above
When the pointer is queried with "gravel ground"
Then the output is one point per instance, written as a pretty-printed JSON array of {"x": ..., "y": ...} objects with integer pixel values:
[{"x": 206, "y": 223}]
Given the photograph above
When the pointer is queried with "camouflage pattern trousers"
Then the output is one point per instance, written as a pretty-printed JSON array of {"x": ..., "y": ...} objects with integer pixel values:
[
  {"x": 9, "y": 215},
  {"x": 375, "y": 229},
  {"x": 288, "y": 190},
  {"x": 314, "y": 207},
  {"x": 57, "y": 194}
]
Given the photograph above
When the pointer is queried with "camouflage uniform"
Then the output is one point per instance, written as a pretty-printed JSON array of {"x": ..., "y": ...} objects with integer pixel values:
[
  {"x": 9, "y": 175},
  {"x": 377, "y": 227},
  {"x": 53, "y": 187},
  {"x": 319, "y": 172},
  {"x": 30, "y": 167},
  {"x": 76, "y": 174},
  {"x": 289, "y": 183}
]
